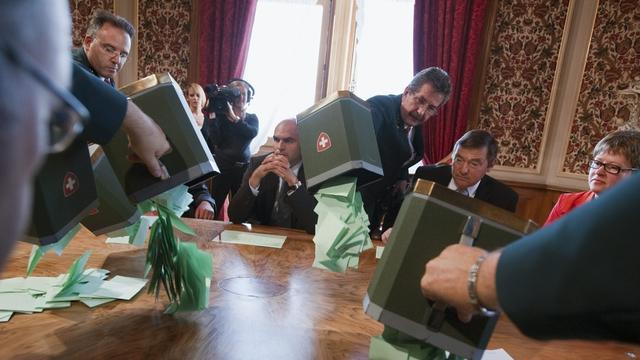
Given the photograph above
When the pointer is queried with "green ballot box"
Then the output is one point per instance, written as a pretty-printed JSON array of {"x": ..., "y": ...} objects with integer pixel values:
[
  {"x": 114, "y": 211},
  {"x": 431, "y": 218},
  {"x": 189, "y": 161},
  {"x": 63, "y": 194},
  {"x": 337, "y": 138}
]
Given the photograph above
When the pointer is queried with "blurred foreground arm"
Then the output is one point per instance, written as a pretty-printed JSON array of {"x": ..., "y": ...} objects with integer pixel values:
[{"x": 576, "y": 278}]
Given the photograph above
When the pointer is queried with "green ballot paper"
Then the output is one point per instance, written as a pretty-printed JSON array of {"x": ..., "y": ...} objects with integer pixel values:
[{"x": 342, "y": 231}]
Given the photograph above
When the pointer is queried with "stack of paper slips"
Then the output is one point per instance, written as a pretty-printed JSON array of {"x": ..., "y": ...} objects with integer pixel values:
[
  {"x": 342, "y": 231},
  {"x": 32, "y": 294}
]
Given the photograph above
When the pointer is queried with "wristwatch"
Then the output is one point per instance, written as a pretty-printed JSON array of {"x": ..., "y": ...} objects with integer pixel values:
[{"x": 294, "y": 187}]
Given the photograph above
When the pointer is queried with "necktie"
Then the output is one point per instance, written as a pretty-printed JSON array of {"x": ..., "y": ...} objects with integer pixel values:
[
  {"x": 281, "y": 214},
  {"x": 464, "y": 192}
]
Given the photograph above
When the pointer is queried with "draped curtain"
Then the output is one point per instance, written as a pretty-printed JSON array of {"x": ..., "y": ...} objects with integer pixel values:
[
  {"x": 448, "y": 34},
  {"x": 225, "y": 31}
]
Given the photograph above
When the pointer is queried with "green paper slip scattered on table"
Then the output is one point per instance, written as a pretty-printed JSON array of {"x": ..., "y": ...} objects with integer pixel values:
[
  {"x": 256, "y": 239},
  {"x": 34, "y": 294},
  {"x": 342, "y": 231}
]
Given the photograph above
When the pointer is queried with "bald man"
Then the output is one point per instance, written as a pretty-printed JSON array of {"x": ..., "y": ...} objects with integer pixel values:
[{"x": 273, "y": 190}]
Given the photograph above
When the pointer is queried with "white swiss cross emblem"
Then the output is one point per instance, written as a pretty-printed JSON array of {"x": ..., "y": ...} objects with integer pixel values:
[
  {"x": 323, "y": 143},
  {"x": 70, "y": 184}
]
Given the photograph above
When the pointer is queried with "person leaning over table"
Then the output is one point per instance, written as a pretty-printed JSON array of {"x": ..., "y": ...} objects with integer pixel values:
[
  {"x": 106, "y": 45},
  {"x": 273, "y": 190},
  {"x": 615, "y": 157},
  {"x": 397, "y": 122},
  {"x": 576, "y": 278},
  {"x": 35, "y": 70}
]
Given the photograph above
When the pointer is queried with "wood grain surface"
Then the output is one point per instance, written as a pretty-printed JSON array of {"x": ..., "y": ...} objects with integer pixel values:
[{"x": 265, "y": 304}]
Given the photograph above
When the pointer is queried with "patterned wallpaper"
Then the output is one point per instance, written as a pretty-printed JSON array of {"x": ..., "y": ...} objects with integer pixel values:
[
  {"x": 81, "y": 11},
  {"x": 523, "y": 55},
  {"x": 612, "y": 63},
  {"x": 164, "y": 38}
]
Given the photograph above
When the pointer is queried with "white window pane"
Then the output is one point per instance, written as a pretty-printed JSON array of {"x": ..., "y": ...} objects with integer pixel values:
[
  {"x": 384, "y": 53},
  {"x": 282, "y": 62}
]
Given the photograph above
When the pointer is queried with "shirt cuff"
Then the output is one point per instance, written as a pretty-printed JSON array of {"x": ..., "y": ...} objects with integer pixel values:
[{"x": 255, "y": 191}]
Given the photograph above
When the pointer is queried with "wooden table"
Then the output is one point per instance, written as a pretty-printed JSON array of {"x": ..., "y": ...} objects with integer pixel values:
[{"x": 265, "y": 304}]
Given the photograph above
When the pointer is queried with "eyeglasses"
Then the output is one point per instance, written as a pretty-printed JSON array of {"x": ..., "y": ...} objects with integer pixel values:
[
  {"x": 66, "y": 121},
  {"x": 608, "y": 167},
  {"x": 422, "y": 102},
  {"x": 111, "y": 52}
]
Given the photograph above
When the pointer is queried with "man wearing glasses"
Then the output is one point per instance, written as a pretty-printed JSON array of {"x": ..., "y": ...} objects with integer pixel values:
[
  {"x": 397, "y": 121},
  {"x": 106, "y": 45},
  {"x": 615, "y": 157},
  {"x": 40, "y": 116}
]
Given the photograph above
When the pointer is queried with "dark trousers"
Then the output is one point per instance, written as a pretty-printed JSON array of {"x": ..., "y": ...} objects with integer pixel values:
[{"x": 228, "y": 181}]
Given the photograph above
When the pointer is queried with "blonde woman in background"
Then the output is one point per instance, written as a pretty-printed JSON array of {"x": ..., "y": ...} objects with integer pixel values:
[{"x": 197, "y": 101}]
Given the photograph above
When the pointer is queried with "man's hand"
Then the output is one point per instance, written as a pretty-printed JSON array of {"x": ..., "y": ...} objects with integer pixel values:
[
  {"x": 446, "y": 279},
  {"x": 147, "y": 141},
  {"x": 204, "y": 211},
  {"x": 231, "y": 115},
  {"x": 386, "y": 235},
  {"x": 274, "y": 163}
]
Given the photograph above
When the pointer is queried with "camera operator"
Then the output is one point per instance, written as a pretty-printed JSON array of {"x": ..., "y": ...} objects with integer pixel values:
[{"x": 228, "y": 130}]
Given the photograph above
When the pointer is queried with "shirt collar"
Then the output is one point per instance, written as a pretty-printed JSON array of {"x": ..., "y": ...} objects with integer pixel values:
[{"x": 471, "y": 190}]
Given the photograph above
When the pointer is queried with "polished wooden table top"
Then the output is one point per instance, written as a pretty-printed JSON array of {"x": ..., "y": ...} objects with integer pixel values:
[{"x": 265, "y": 304}]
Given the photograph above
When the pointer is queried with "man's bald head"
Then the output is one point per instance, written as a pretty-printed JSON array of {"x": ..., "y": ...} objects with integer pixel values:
[{"x": 286, "y": 139}]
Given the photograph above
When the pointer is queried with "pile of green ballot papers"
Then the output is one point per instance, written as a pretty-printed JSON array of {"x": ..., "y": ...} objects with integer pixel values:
[
  {"x": 342, "y": 231},
  {"x": 33, "y": 294}
]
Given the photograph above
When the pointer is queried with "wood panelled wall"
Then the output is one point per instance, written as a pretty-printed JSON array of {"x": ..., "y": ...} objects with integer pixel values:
[{"x": 535, "y": 201}]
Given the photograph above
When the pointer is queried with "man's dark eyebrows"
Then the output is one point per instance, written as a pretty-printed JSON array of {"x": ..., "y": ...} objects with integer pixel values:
[{"x": 285, "y": 139}]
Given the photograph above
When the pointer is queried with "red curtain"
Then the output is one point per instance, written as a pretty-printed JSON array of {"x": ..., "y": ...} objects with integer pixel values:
[
  {"x": 448, "y": 34},
  {"x": 225, "y": 31}
]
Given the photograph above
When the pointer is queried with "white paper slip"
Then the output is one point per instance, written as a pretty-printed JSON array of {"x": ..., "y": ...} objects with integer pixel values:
[
  {"x": 120, "y": 287},
  {"x": 245, "y": 238},
  {"x": 496, "y": 354}
]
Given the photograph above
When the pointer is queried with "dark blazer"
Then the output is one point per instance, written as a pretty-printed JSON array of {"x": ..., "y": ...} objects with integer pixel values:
[
  {"x": 490, "y": 190},
  {"x": 107, "y": 107},
  {"x": 578, "y": 277},
  {"x": 395, "y": 151},
  {"x": 80, "y": 57},
  {"x": 244, "y": 206}
]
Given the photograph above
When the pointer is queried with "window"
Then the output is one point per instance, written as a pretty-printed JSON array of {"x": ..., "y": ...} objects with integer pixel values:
[
  {"x": 370, "y": 45},
  {"x": 283, "y": 61},
  {"x": 384, "y": 50}
]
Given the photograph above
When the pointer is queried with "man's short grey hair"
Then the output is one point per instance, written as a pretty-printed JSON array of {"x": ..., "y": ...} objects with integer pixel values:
[
  {"x": 479, "y": 139},
  {"x": 100, "y": 17},
  {"x": 436, "y": 77}
]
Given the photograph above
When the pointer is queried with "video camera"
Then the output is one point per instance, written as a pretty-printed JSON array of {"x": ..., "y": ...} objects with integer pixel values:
[{"x": 219, "y": 96}]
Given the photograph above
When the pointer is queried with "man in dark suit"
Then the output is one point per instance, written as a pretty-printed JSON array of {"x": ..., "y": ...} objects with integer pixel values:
[
  {"x": 106, "y": 45},
  {"x": 273, "y": 190},
  {"x": 474, "y": 154}
]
